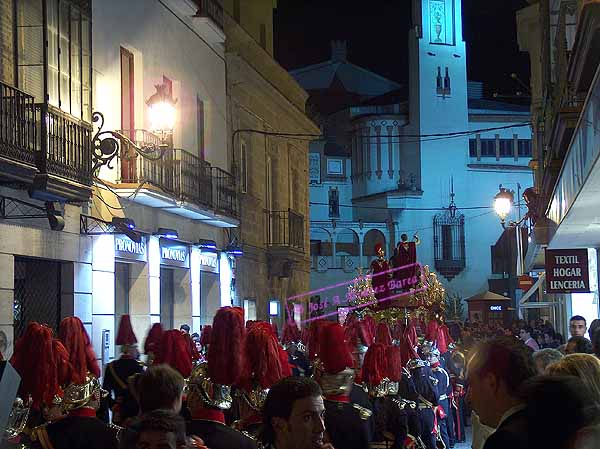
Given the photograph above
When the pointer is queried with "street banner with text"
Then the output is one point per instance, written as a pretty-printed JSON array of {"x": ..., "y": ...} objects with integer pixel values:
[{"x": 567, "y": 271}]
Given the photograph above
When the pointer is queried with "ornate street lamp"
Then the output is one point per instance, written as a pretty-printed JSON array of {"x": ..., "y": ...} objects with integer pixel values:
[
  {"x": 503, "y": 202},
  {"x": 162, "y": 114},
  {"x": 162, "y": 111}
]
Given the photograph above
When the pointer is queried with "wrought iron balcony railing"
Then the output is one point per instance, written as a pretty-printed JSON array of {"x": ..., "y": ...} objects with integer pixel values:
[
  {"x": 49, "y": 141},
  {"x": 211, "y": 9},
  {"x": 178, "y": 173},
  {"x": 65, "y": 145},
  {"x": 285, "y": 228},
  {"x": 17, "y": 125}
]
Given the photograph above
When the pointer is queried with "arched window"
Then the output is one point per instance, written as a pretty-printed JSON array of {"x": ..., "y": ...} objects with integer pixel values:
[{"x": 449, "y": 244}]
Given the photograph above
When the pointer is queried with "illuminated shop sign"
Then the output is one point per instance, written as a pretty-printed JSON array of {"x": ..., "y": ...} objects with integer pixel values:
[
  {"x": 209, "y": 262},
  {"x": 174, "y": 253},
  {"x": 125, "y": 248},
  {"x": 496, "y": 308},
  {"x": 567, "y": 271}
]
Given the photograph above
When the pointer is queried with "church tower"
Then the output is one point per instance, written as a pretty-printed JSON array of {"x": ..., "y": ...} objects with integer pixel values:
[{"x": 438, "y": 95}]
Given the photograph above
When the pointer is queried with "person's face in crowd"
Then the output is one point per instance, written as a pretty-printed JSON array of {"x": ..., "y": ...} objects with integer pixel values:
[
  {"x": 481, "y": 393},
  {"x": 154, "y": 439},
  {"x": 524, "y": 335},
  {"x": 305, "y": 427},
  {"x": 548, "y": 339},
  {"x": 577, "y": 328},
  {"x": 571, "y": 348}
]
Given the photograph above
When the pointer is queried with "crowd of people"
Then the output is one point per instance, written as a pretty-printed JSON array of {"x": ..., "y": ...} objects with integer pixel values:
[{"x": 408, "y": 384}]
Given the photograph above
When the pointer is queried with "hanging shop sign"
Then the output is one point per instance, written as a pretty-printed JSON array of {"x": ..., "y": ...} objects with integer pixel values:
[
  {"x": 174, "y": 253},
  {"x": 567, "y": 271},
  {"x": 525, "y": 282},
  {"x": 125, "y": 248},
  {"x": 209, "y": 262}
]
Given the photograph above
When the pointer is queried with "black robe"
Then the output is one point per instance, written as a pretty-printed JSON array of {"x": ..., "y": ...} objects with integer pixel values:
[
  {"x": 116, "y": 378},
  {"x": 218, "y": 436},
  {"x": 347, "y": 425},
  {"x": 76, "y": 432}
]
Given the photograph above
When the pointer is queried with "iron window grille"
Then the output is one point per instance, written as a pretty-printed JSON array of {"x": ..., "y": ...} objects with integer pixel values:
[{"x": 449, "y": 244}]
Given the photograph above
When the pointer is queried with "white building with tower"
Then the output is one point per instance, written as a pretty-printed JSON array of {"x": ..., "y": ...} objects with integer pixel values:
[{"x": 396, "y": 159}]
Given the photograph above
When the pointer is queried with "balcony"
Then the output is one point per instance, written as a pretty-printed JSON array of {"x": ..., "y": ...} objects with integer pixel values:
[
  {"x": 177, "y": 181},
  {"x": 44, "y": 149},
  {"x": 17, "y": 135},
  {"x": 65, "y": 156},
  {"x": 285, "y": 229},
  {"x": 284, "y": 240},
  {"x": 209, "y": 19}
]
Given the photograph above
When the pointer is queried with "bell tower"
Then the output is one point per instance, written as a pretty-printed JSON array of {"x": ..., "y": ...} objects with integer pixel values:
[{"x": 438, "y": 90}]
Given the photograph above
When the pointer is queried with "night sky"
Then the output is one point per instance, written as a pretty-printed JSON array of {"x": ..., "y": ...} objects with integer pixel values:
[{"x": 377, "y": 35}]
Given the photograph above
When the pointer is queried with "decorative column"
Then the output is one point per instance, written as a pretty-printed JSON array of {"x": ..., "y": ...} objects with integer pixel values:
[
  {"x": 379, "y": 172},
  {"x": 390, "y": 131},
  {"x": 367, "y": 150}
]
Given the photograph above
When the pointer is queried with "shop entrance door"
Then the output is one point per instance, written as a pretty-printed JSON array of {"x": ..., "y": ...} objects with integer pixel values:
[
  {"x": 37, "y": 293},
  {"x": 167, "y": 293},
  {"x": 122, "y": 285}
]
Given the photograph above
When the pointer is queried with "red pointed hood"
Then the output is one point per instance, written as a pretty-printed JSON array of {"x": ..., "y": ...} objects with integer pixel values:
[
  {"x": 334, "y": 351},
  {"x": 175, "y": 351},
  {"x": 432, "y": 331},
  {"x": 408, "y": 343},
  {"x": 394, "y": 363},
  {"x": 291, "y": 333},
  {"x": 206, "y": 334},
  {"x": 263, "y": 365},
  {"x": 76, "y": 340},
  {"x": 226, "y": 350},
  {"x": 152, "y": 343},
  {"x": 375, "y": 365},
  {"x": 36, "y": 363},
  {"x": 125, "y": 334},
  {"x": 383, "y": 334}
]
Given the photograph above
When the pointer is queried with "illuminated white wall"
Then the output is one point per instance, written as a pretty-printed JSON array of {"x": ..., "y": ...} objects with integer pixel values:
[
  {"x": 103, "y": 291},
  {"x": 586, "y": 304},
  {"x": 195, "y": 288},
  {"x": 225, "y": 275}
]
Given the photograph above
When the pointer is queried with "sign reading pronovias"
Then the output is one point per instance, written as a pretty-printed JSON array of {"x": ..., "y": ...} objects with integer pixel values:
[
  {"x": 209, "y": 262},
  {"x": 125, "y": 248},
  {"x": 174, "y": 253},
  {"x": 567, "y": 271}
]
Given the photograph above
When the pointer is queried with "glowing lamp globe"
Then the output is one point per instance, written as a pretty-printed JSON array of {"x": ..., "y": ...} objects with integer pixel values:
[
  {"x": 503, "y": 202},
  {"x": 161, "y": 111}
]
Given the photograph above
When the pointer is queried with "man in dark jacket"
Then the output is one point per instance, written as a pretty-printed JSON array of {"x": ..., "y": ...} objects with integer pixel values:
[{"x": 496, "y": 372}]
